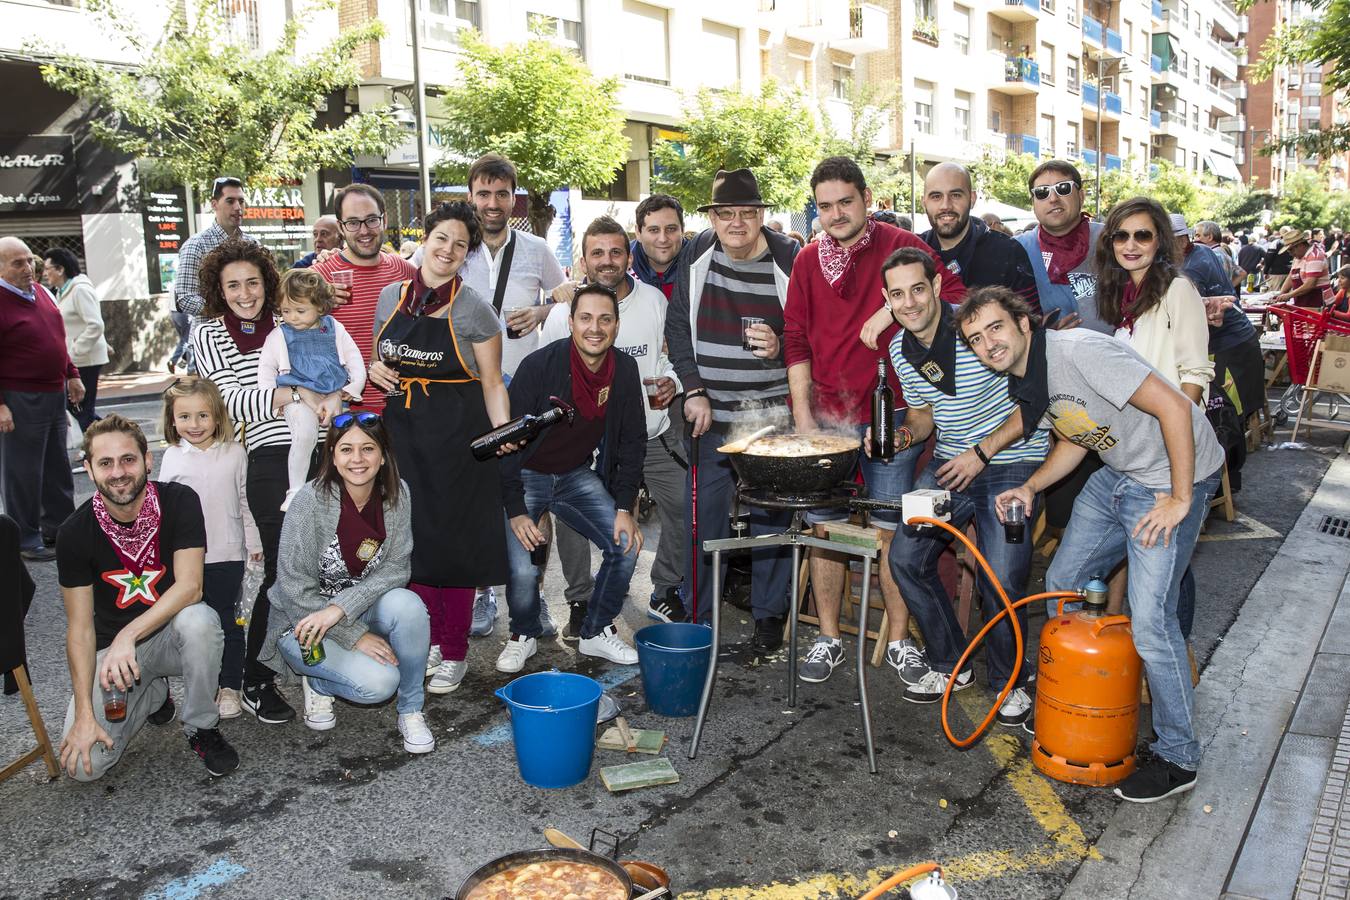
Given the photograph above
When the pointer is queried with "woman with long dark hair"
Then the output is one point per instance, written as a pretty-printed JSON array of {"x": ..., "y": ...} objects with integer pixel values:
[
  {"x": 449, "y": 342},
  {"x": 342, "y": 617}
]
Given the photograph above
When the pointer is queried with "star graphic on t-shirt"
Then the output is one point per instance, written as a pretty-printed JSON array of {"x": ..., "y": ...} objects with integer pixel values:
[{"x": 134, "y": 587}]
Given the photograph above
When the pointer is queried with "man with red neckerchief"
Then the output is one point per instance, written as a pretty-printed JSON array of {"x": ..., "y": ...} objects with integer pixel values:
[{"x": 130, "y": 566}]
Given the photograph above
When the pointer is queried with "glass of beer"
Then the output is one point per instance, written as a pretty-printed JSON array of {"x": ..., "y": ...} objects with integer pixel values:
[
  {"x": 746, "y": 322},
  {"x": 391, "y": 355},
  {"x": 114, "y": 703},
  {"x": 1014, "y": 522},
  {"x": 653, "y": 388}
]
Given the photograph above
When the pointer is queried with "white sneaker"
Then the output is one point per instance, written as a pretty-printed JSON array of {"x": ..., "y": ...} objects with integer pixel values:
[
  {"x": 607, "y": 645},
  {"x": 416, "y": 735},
  {"x": 1016, "y": 709},
  {"x": 447, "y": 676},
  {"x": 318, "y": 708},
  {"x": 227, "y": 703},
  {"x": 434, "y": 659},
  {"x": 290, "y": 495},
  {"x": 517, "y": 650}
]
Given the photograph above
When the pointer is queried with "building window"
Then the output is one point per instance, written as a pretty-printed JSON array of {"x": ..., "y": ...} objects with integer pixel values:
[
  {"x": 923, "y": 107},
  {"x": 721, "y": 51},
  {"x": 961, "y": 116},
  {"x": 961, "y": 29},
  {"x": 1072, "y": 146},
  {"x": 241, "y": 19},
  {"x": 564, "y": 28},
  {"x": 1127, "y": 31},
  {"x": 840, "y": 80},
  {"x": 1047, "y": 63},
  {"x": 442, "y": 20},
  {"x": 646, "y": 47},
  {"x": 923, "y": 9},
  {"x": 1071, "y": 73},
  {"x": 1047, "y": 134}
]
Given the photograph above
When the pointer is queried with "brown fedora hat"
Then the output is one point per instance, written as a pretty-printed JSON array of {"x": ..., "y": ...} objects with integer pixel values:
[{"x": 735, "y": 188}]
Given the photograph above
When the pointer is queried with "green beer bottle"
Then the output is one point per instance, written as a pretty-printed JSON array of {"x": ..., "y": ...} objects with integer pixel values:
[{"x": 314, "y": 654}]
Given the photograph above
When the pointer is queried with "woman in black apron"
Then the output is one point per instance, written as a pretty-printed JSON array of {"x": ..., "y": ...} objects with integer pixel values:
[{"x": 448, "y": 344}]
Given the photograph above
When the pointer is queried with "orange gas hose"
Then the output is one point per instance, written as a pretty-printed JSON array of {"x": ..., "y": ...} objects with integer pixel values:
[
  {"x": 900, "y": 878},
  {"x": 1009, "y": 609}
]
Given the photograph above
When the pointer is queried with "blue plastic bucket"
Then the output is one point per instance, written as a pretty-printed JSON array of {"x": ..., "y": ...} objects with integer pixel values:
[
  {"x": 674, "y": 657},
  {"x": 553, "y": 725}
]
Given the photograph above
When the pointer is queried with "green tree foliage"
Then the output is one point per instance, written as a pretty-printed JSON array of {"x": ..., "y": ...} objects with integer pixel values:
[
  {"x": 772, "y": 133},
  {"x": 202, "y": 105},
  {"x": 1238, "y": 207},
  {"x": 869, "y": 105},
  {"x": 1320, "y": 35},
  {"x": 1304, "y": 201},
  {"x": 1003, "y": 177},
  {"x": 538, "y": 105}
]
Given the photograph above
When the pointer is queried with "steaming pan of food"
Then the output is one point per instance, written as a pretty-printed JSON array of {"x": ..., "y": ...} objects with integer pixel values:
[
  {"x": 548, "y": 874},
  {"x": 796, "y": 463}
]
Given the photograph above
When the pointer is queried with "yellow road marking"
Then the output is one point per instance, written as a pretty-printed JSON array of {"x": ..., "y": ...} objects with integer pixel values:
[{"x": 1066, "y": 840}]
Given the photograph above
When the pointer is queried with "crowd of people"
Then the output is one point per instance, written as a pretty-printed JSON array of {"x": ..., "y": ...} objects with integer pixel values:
[{"x": 325, "y": 439}]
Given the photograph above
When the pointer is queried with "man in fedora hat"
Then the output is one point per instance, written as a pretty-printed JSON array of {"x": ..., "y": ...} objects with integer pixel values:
[
  {"x": 724, "y": 337},
  {"x": 1309, "y": 282}
]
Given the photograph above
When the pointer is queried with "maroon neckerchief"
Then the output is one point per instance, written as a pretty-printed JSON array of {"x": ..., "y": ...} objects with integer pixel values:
[
  {"x": 248, "y": 334},
  {"x": 137, "y": 545},
  {"x": 429, "y": 301},
  {"x": 590, "y": 390},
  {"x": 1066, "y": 250},
  {"x": 835, "y": 259},
  {"x": 360, "y": 532},
  {"x": 1128, "y": 298}
]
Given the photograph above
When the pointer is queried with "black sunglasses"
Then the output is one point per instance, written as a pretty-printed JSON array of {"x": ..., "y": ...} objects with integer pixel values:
[
  {"x": 1042, "y": 191},
  {"x": 1141, "y": 236},
  {"x": 364, "y": 419},
  {"x": 223, "y": 182}
]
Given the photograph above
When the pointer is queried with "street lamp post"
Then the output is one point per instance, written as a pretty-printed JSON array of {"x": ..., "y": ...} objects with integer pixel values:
[{"x": 420, "y": 110}]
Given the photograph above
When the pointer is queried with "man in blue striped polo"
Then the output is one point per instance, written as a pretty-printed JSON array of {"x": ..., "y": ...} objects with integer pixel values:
[{"x": 980, "y": 453}]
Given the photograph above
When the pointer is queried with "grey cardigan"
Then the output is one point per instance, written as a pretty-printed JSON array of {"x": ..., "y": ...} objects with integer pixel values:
[{"x": 309, "y": 527}]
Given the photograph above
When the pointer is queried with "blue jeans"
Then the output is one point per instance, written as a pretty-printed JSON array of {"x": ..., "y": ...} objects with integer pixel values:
[
  {"x": 400, "y": 618},
  {"x": 1098, "y": 536},
  {"x": 914, "y": 565},
  {"x": 885, "y": 480},
  {"x": 770, "y": 568},
  {"x": 580, "y": 501}
]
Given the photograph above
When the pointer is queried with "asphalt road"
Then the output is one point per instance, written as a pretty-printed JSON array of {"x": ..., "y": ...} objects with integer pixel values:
[{"x": 778, "y": 804}]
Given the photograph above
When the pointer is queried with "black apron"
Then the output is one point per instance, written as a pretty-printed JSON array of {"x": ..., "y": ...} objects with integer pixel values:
[{"x": 459, "y": 531}]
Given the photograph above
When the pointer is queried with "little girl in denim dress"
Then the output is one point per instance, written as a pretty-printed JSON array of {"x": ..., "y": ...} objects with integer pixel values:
[{"x": 311, "y": 353}]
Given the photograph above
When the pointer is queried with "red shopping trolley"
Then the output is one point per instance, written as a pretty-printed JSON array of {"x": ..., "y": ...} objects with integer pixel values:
[{"x": 1303, "y": 328}]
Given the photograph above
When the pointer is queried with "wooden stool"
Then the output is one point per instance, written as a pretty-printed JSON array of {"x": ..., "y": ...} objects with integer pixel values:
[
  {"x": 847, "y": 612},
  {"x": 43, "y": 750},
  {"x": 1224, "y": 498},
  {"x": 967, "y": 588}
]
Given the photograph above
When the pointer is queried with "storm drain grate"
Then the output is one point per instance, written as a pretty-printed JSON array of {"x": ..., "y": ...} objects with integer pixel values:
[{"x": 1335, "y": 526}]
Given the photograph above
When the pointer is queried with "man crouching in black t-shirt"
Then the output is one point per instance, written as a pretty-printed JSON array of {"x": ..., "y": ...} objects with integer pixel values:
[{"x": 130, "y": 565}]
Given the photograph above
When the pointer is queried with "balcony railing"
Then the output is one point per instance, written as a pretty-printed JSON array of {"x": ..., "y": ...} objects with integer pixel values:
[
  {"x": 1155, "y": 63},
  {"x": 1090, "y": 157},
  {"x": 1157, "y": 9},
  {"x": 1089, "y": 94},
  {"x": 1092, "y": 30},
  {"x": 1033, "y": 5},
  {"x": 1155, "y": 119},
  {"x": 1024, "y": 143},
  {"x": 1113, "y": 42},
  {"x": 1113, "y": 162},
  {"x": 1020, "y": 68},
  {"x": 1111, "y": 103}
]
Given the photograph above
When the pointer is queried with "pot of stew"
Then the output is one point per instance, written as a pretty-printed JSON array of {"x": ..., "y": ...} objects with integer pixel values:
[
  {"x": 796, "y": 463},
  {"x": 547, "y": 874}
]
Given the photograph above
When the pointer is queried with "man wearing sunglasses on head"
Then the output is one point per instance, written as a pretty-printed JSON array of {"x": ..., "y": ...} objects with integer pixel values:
[
  {"x": 1060, "y": 248},
  {"x": 227, "y": 205}
]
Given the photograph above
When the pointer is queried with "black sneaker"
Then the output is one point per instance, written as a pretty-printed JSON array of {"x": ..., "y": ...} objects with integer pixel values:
[
  {"x": 1155, "y": 779},
  {"x": 576, "y": 614},
  {"x": 768, "y": 634},
  {"x": 215, "y": 751},
  {"x": 668, "y": 607},
  {"x": 163, "y": 715},
  {"x": 266, "y": 703}
]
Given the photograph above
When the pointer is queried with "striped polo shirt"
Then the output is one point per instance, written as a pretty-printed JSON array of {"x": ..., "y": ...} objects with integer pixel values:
[
  {"x": 981, "y": 405},
  {"x": 742, "y": 388}
]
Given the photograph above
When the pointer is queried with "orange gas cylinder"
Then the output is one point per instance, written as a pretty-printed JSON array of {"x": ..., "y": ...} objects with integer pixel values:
[{"x": 1087, "y": 695}]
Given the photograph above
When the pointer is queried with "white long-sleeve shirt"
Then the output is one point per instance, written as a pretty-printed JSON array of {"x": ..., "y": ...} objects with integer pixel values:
[
  {"x": 642, "y": 329},
  {"x": 219, "y": 475},
  {"x": 1173, "y": 337}
]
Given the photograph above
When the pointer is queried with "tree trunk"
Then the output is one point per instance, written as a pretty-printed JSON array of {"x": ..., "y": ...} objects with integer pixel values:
[{"x": 540, "y": 214}]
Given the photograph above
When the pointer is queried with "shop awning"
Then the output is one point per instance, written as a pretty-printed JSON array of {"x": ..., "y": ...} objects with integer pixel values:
[{"x": 1223, "y": 167}]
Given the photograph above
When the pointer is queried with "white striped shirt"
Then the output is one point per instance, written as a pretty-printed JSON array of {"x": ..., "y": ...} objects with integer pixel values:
[
  {"x": 981, "y": 405},
  {"x": 236, "y": 375}
]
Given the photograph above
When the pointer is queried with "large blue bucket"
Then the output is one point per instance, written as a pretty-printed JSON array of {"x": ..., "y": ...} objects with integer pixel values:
[
  {"x": 553, "y": 724},
  {"x": 674, "y": 658}
]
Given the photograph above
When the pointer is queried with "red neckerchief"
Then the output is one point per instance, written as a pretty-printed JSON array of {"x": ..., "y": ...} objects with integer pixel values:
[
  {"x": 835, "y": 259},
  {"x": 590, "y": 390},
  {"x": 429, "y": 301},
  {"x": 137, "y": 545},
  {"x": 1127, "y": 301},
  {"x": 1066, "y": 250},
  {"x": 248, "y": 334},
  {"x": 360, "y": 532}
]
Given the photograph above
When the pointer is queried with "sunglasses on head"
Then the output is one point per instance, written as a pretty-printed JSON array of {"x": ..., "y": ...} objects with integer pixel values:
[
  {"x": 1141, "y": 236},
  {"x": 1063, "y": 188},
  {"x": 223, "y": 182},
  {"x": 342, "y": 420}
]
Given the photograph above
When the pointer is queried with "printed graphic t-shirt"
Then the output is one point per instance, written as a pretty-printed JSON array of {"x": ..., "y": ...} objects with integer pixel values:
[
  {"x": 1091, "y": 378},
  {"x": 85, "y": 557}
]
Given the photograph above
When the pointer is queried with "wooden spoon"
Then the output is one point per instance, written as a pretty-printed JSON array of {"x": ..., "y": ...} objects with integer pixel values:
[
  {"x": 561, "y": 840},
  {"x": 738, "y": 446}
]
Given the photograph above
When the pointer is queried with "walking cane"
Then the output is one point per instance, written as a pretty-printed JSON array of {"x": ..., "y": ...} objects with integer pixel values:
[{"x": 693, "y": 523}]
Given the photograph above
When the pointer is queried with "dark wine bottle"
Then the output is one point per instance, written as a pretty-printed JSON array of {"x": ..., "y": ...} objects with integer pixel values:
[
  {"x": 524, "y": 428},
  {"x": 883, "y": 427}
]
